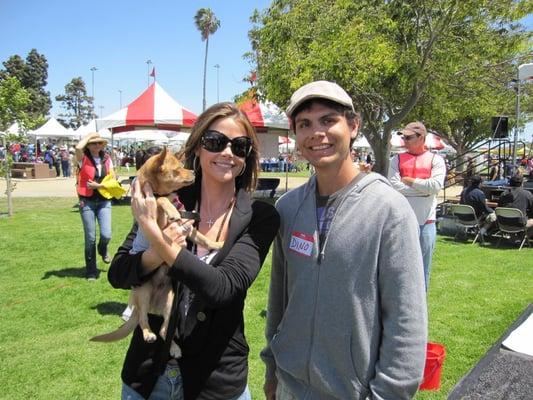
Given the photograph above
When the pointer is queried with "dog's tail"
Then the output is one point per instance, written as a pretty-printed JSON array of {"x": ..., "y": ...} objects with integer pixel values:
[{"x": 121, "y": 332}]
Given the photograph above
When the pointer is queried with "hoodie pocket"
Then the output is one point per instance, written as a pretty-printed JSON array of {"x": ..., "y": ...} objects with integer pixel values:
[{"x": 363, "y": 384}]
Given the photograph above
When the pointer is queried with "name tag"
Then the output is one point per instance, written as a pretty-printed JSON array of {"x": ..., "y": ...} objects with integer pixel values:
[{"x": 301, "y": 243}]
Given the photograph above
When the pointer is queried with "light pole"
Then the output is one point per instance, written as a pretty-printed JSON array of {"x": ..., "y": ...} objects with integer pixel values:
[
  {"x": 525, "y": 71},
  {"x": 120, "y": 98},
  {"x": 148, "y": 62},
  {"x": 101, "y": 108},
  {"x": 92, "y": 83},
  {"x": 218, "y": 68}
]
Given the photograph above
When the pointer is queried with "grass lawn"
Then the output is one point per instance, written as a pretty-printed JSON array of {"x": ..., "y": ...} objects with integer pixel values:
[{"x": 49, "y": 310}]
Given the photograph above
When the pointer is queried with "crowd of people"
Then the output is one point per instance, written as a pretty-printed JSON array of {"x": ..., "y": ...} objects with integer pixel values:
[
  {"x": 61, "y": 155},
  {"x": 515, "y": 196}
]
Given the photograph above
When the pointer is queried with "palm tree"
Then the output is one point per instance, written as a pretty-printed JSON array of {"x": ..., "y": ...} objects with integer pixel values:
[{"x": 207, "y": 24}]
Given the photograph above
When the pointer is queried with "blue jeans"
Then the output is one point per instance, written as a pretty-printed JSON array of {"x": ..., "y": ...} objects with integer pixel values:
[
  {"x": 65, "y": 167},
  {"x": 428, "y": 236},
  {"x": 92, "y": 210},
  {"x": 169, "y": 386},
  {"x": 246, "y": 395}
]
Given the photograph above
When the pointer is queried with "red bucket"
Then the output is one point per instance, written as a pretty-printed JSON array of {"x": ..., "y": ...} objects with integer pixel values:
[{"x": 434, "y": 360}]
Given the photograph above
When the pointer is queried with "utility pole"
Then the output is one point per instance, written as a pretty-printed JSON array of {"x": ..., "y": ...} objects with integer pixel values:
[
  {"x": 92, "y": 83},
  {"x": 218, "y": 68}
]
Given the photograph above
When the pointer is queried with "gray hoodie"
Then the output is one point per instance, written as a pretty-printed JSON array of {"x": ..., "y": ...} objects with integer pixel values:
[{"x": 350, "y": 323}]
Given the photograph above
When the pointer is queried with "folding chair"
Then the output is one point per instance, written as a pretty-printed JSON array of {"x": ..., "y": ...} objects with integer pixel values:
[
  {"x": 466, "y": 221},
  {"x": 511, "y": 223}
]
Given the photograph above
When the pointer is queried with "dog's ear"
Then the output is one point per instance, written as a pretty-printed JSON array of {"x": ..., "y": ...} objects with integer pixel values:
[{"x": 160, "y": 160}]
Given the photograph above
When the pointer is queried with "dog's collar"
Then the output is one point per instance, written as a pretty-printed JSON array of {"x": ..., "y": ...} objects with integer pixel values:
[{"x": 157, "y": 195}]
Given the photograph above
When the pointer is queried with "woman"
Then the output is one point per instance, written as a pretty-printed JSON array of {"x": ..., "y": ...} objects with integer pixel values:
[
  {"x": 94, "y": 164},
  {"x": 211, "y": 286}
]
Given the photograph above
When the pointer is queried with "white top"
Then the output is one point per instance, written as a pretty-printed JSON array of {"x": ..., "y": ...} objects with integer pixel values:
[{"x": 422, "y": 195}]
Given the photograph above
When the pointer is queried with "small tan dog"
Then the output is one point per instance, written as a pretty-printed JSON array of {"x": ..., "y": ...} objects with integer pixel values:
[{"x": 166, "y": 174}]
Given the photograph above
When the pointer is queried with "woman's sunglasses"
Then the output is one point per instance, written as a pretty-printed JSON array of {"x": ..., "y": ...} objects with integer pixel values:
[{"x": 215, "y": 142}]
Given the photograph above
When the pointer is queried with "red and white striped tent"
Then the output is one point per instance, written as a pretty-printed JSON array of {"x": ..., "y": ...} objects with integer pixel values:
[
  {"x": 153, "y": 108},
  {"x": 269, "y": 122},
  {"x": 265, "y": 115}
]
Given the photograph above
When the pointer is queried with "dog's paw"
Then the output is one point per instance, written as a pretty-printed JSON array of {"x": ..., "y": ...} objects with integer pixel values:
[
  {"x": 163, "y": 332},
  {"x": 150, "y": 337},
  {"x": 175, "y": 350}
]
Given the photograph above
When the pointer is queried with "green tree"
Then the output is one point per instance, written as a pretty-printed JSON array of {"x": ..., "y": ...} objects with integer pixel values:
[
  {"x": 14, "y": 100},
  {"x": 388, "y": 55},
  {"x": 207, "y": 23},
  {"x": 32, "y": 74},
  {"x": 480, "y": 85},
  {"x": 77, "y": 106}
]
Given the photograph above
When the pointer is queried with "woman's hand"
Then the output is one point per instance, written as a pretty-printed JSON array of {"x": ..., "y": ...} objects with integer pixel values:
[
  {"x": 143, "y": 204},
  {"x": 93, "y": 185},
  {"x": 176, "y": 233}
]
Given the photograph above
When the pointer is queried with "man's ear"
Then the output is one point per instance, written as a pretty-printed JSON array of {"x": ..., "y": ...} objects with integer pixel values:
[{"x": 354, "y": 129}]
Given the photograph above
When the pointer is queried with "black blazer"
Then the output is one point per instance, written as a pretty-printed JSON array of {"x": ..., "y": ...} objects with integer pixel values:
[{"x": 214, "y": 364}]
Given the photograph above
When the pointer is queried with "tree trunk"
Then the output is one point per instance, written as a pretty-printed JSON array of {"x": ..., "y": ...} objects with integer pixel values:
[
  {"x": 205, "y": 69},
  {"x": 8, "y": 193},
  {"x": 7, "y": 170},
  {"x": 381, "y": 148}
]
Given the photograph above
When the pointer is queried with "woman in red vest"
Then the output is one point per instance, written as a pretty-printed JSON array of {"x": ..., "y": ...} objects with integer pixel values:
[{"x": 94, "y": 164}]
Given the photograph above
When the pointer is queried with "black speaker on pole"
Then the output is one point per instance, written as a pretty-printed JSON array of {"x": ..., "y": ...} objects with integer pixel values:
[{"x": 499, "y": 127}]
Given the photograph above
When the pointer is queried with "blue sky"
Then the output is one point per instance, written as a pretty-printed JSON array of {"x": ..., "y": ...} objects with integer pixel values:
[{"x": 119, "y": 36}]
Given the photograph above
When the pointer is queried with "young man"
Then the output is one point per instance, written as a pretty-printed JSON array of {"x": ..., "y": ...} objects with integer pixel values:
[
  {"x": 419, "y": 175},
  {"x": 347, "y": 310},
  {"x": 473, "y": 196},
  {"x": 517, "y": 197}
]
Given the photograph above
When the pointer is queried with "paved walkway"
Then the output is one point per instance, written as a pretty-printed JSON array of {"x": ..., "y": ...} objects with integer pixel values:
[{"x": 65, "y": 187}]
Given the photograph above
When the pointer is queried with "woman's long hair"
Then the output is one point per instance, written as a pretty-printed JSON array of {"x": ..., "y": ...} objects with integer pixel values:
[{"x": 248, "y": 179}]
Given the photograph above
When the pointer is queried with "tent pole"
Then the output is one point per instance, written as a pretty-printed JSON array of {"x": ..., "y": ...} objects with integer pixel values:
[
  {"x": 112, "y": 152},
  {"x": 287, "y": 170}
]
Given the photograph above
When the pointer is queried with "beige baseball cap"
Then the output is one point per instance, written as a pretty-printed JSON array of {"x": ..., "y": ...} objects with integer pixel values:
[{"x": 319, "y": 89}]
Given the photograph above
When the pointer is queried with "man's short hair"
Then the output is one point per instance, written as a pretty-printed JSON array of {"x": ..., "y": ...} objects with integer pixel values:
[
  {"x": 516, "y": 180},
  {"x": 350, "y": 115},
  {"x": 475, "y": 180}
]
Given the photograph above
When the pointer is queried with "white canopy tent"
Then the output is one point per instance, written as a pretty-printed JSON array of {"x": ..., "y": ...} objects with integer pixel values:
[
  {"x": 52, "y": 129},
  {"x": 14, "y": 129},
  {"x": 361, "y": 142}
]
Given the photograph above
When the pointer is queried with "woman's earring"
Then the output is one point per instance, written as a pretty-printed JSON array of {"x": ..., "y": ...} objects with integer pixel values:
[
  {"x": 195, "y": 164},
  {"x": 243, "y": 169}
]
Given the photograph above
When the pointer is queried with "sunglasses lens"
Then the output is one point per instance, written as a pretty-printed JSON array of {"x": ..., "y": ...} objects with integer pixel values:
[
  {"x": 241, "y": 146},
  {"x": 215, "y": 142}
]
